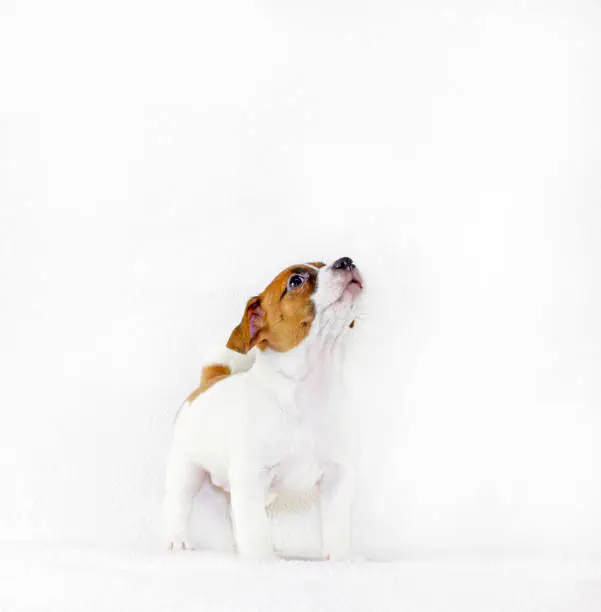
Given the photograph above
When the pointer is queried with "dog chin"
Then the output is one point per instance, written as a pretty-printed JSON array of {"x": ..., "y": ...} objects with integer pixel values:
[
  {"x": 338, "y": 298},
  {"x": 344, "y": 304},
  {"x": 338, "y": 290},
  {"x": 352, "y": 291}
]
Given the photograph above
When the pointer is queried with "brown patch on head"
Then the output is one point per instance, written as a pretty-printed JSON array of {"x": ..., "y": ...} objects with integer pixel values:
[
  {"x": 281, "y": 316},
  {"x": 210, "y": 375},
  {"x": 245, "y": 335}
]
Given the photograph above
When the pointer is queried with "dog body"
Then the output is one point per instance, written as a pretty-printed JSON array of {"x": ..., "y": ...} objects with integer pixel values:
[{"x": 279, "y": 426}]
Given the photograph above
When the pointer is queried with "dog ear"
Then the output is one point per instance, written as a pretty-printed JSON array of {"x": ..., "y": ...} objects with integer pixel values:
[
  {"x": 246, "y": 334},
  {"x": 352, "y": 324}
]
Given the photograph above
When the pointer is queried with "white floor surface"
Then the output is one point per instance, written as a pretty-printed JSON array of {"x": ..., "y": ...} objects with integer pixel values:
[{"x": 93, "y": 581}]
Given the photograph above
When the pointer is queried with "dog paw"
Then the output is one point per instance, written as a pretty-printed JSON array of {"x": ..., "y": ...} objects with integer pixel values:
[{"x": 178, "y": 544}]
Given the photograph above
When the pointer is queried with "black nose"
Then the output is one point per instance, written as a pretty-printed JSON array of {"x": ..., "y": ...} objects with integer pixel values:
[{"x": 344, "y": 263}]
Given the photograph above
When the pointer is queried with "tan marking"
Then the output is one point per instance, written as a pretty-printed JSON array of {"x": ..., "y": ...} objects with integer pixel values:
[
  {"x": 212, "y": 371},
  {"x": 240, "y": 339},
  {"x": 210, "y": 375},
  {"x": 277, "y": 318}
]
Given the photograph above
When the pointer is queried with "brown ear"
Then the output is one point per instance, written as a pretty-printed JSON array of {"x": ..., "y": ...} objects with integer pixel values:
[
  {"x": 352, "y": 324},
  {"x": 246, "y": 334}
]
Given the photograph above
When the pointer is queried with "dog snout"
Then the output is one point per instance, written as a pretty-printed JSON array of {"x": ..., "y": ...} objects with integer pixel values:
[{"x": 344, "y": 263}]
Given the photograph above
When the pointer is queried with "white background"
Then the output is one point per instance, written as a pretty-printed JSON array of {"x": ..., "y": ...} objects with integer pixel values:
[{"x": 160, "y": 162}]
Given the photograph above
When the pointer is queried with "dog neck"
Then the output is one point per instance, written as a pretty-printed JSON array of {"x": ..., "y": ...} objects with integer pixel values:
[{"x": 318, "y": 356}]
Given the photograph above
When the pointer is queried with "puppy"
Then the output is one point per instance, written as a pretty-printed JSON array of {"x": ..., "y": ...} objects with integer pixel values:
[{"x": 275, "y": 427}]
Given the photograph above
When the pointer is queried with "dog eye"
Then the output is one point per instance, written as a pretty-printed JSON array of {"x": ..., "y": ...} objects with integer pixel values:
[{"x": 295, "y": 281}]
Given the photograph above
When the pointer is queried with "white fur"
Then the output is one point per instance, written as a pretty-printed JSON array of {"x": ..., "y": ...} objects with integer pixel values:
[
  {"x": 236, "y": 362},
  {"x": 275, "y": 428}
]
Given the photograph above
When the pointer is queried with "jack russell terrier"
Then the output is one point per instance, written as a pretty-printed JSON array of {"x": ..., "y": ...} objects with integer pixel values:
[{"x": 272, "y": 423}]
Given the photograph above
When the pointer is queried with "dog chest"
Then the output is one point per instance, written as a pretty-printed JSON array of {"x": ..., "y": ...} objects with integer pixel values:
[
  {"x": 299, "y": 466},
  {"x": 296, "y": 473}
]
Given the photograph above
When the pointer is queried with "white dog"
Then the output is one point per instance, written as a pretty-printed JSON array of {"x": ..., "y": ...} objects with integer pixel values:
[{"x": 275, "y": 427}]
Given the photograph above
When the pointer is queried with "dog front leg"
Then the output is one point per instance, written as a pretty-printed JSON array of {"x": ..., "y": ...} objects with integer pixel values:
[
  {"x": 336, "y": 493},
  {"x": 251, "y": 525}
]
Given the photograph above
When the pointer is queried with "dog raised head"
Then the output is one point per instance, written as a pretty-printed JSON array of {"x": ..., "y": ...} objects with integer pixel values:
[{"x": 281, "y": 317}]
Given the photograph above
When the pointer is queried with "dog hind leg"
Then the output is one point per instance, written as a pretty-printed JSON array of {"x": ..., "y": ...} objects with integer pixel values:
[{"x": 183, "y": 480}]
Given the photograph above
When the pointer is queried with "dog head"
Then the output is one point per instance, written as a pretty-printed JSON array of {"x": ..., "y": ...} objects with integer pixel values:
[{"x": 282, "y": 316}]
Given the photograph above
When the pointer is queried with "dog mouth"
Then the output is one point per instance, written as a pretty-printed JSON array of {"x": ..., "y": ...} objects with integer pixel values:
[
  {"x": 356, "y": 279},
  {"x": 354, "y": 287}
]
